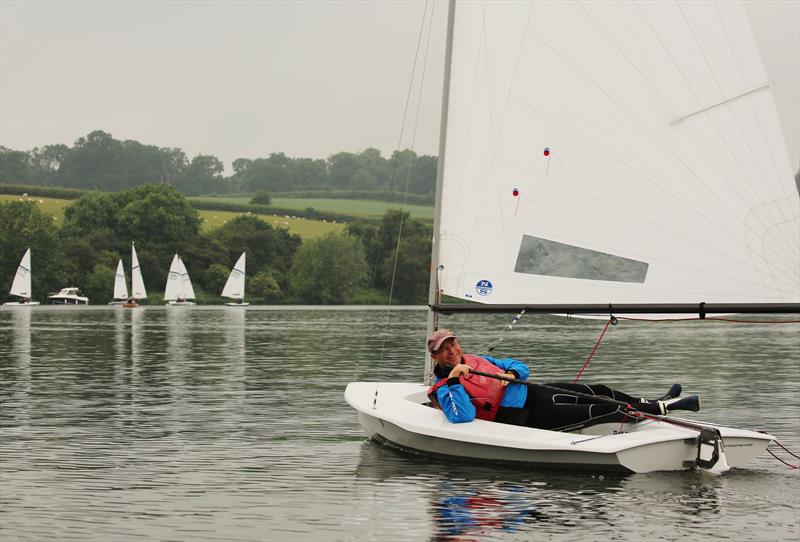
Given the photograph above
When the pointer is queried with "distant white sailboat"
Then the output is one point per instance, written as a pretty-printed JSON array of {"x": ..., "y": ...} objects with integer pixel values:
[
  {"x": 21, "y": 287},
  {"x": 120, "y": 286},
  {"x": 179, "y": 286},
  {"x": 121, "y": 296},
  {"x": 234, "y": 287}
]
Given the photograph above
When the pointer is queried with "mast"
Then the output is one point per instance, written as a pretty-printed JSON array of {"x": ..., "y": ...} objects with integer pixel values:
[{"x": 433, "y": 288}]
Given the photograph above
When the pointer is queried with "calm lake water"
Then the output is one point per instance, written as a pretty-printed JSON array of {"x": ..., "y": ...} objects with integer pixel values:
[{"x": 211, "y": 423}]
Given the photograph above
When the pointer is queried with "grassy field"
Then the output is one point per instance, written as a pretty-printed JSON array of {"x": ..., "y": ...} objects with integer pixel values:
[
  {"x": 307, "y": 229},
  {"x": 354, "y": 207},
  {"x": 49, "y": 206}
]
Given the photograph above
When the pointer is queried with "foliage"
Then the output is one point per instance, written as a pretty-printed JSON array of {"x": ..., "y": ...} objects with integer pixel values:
[
  {"x": 215, "y": 276},
  {"x": 402, "y": 268},
  {"x": 264, "y": 288},
  {"x": 328, "y": 270},
  {"x": 98, "y": 161},
  {"x": 23, "y": 226},
  {"x": 99, "y": 228},
  {"x": 269, "y": 249},
  {"x": 261, "y": 198}
]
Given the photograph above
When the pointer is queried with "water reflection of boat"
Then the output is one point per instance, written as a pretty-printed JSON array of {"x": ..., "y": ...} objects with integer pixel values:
[{"x": 468, "y": 501}]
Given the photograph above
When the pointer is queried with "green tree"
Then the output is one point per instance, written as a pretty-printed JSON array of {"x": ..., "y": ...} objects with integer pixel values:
[
  {"x": 400, "y": 267},
  {"x": 23, "y": 226},
  {"x": 98, "y": 284},
  {"x": 261, "y": 198},
  {"x": 47, "y": 162},
  {"x": 342, "y": 168},
  {"x": 215, "y": 276},
  {"x": 329, "y": 270},
  {"x": 264, "y": 288},
  {"x": 268, "y": 249},
  {"x": 15, "y": 166}
]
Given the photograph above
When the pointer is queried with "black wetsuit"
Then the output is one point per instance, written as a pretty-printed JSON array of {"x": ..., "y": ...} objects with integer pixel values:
[{"x": 548, "y": 409}]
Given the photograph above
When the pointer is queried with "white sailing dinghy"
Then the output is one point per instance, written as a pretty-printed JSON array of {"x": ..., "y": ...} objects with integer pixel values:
[
  {"x": 21, "y": 286},
  {"x": 120, "y": 286},
  {"x": 179, "y": 289},
  {"x": 138, "y": 291},
  {"x": 234, "y": 287},
  {"x": 602, "y": 158}
]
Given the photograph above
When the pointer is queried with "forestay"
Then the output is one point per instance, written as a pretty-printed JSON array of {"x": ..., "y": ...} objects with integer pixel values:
[{"x": 617, "y": 152}]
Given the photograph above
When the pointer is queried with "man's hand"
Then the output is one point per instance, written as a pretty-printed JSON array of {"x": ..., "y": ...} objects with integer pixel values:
[
  {"x": 504, "y": 383},
  {"x": 459, "y": 370}
]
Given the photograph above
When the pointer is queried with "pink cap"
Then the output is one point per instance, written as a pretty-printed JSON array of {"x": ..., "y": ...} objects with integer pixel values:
[{"x": 438, "y": 337}]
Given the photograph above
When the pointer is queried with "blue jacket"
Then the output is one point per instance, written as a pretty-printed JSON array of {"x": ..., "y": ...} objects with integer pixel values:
[{"x": 455, "y": 402}]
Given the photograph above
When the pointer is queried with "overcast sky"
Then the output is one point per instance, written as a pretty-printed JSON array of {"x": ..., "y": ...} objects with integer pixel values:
[{"x": 248, "y": 78}]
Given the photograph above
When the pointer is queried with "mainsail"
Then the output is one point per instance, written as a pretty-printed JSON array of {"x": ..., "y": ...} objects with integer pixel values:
[
  {"x": 120, "y": 286},
  {"x": 187, "y": 292},
  {"x": 173, "y": 290},
  {"x": 613, "y": 152},
  {"x": 21, "y": 287},
  {"x": 137, "y": 282},
  {"x": 234, "y": 287}
]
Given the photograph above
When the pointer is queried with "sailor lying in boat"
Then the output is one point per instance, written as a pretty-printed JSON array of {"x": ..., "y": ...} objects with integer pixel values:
[{"x": 463, "y": 396}]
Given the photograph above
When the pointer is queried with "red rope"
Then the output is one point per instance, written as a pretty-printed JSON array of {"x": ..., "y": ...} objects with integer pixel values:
[
  {"x": 781, "y": 460},
  {"x": 715, "y": 318},
  {"x": 593, "y": 351}
]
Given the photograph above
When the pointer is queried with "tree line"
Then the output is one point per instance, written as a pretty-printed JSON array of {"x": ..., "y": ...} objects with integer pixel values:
[
  {"x": 100, "y": 162},
  {"x": 353, "y": 267}
]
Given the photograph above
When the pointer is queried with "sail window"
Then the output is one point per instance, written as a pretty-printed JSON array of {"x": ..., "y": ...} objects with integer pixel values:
[{"x": 539, "y": 256}]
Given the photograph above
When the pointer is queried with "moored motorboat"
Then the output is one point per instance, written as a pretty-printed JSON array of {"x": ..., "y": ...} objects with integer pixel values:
[{"x": 68, "y": 296}]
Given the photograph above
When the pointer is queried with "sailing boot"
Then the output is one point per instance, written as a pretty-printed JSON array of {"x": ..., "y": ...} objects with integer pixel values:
[
  {"x": 687, "y": 403},
  {"x": 674, "y": 391}
]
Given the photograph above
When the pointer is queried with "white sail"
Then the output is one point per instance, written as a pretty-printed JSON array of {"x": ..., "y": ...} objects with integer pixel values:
[
  {"x": 187, "y": 292},
  {"x": 120, "y": 286},
  {"x": 173, "y": 289},
  {"x": 614, "y": 152},
  {"x": 21, "y": 287},
  {"x": 137, "y": 282},
  {"x": 234, "y": 287}
]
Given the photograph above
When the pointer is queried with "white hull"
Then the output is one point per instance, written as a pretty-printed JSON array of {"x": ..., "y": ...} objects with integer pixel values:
[
  {"x": 180, "y": 303},
  {"x": 237, "y": 304},
  {"x": 18, "y": 304},
  {"x": 398, "y": 416}
]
